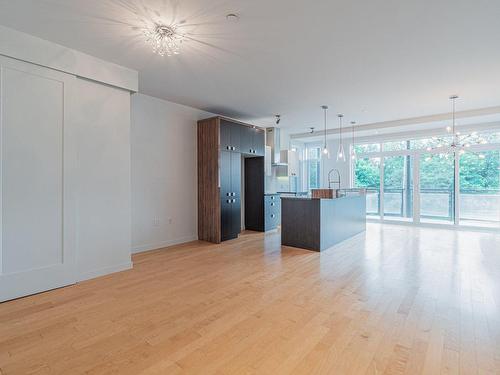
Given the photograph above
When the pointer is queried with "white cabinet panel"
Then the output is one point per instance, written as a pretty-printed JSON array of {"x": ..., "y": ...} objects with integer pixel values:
[{"x": 37, "y": 192}]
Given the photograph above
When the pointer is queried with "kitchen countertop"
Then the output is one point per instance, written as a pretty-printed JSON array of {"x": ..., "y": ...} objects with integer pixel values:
[{"x": 322, "y": 199}]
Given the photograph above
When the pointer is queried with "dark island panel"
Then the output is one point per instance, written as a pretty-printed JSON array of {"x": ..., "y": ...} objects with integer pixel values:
[{"x": 300, "y": 223}]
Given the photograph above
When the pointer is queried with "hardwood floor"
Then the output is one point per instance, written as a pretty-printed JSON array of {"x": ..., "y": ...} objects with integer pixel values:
[{"x": 398, "y": 300}]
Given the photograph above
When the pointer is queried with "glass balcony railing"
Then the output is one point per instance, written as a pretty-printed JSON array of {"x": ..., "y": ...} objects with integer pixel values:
[{"x": 476, "y": 205}]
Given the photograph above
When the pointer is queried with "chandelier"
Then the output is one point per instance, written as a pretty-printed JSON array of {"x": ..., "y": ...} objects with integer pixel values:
[
  {"x": 456, "y": 142},
  {"x": 165, "y": 39}
]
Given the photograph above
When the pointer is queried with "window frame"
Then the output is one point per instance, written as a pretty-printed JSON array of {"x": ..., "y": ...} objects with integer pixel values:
[{"x": 415, "y": 154}]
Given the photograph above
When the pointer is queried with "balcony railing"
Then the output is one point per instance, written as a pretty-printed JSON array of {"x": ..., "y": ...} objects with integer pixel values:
[{"x": 437, "y": 204}]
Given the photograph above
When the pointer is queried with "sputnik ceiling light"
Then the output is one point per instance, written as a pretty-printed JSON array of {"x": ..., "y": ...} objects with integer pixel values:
[
  {"x": 458, "y": 142},
  {"x": 325, "y": 148},
  {"x": 165, "y": 39},
  {"x": 340, "y": 152},
  {"x": 353, "y": 149}
]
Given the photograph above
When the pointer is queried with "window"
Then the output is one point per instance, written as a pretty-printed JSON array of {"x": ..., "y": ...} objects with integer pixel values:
[
  {"x": 407, "y": 182},
  {"x": 398, "y": 187},
  {"x": 313, "y": 167},
  {"x": 369, "y": 147},
  {"x": 367, "y": 175},
  {"x": 437, "y": 188},
  {"x": 422, "y": 144},
  {"x": 480, "y": 188},
  {"x": 395, "y": 146}
]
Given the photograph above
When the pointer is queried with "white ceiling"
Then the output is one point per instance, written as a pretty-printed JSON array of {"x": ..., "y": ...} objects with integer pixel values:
[{"x": 374, "y": 60}]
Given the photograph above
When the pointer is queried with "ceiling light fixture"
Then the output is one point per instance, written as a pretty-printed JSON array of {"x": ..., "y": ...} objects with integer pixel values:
[
  {"x": 459, "y": 143},
  {"x": 278, "y": 119},
  {"x": 340, "y": 152},
  {"x": 311, "y": 129},
  {"x": 232, "y": 17},
  {"x": 353, "y": 149},
  {"x": 165, "y": 39},
  {"x": 325, "y": 148}
]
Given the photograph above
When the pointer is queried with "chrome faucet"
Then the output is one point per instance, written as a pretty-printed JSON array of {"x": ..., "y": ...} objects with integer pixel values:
[{"x": 332, "y": 181}]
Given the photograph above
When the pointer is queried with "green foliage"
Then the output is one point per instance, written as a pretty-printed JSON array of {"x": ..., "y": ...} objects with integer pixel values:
[
  {"x": 394, "y": 172},
  {"x": 436, "y": 172},
  {"x": 314, "y": 173},
  {"x": 367, "y": 173},
  {"x": 480, "y": 173}
]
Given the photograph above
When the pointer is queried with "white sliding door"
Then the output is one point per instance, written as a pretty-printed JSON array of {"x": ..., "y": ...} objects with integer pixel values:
[{"x": 37, "y": 163}]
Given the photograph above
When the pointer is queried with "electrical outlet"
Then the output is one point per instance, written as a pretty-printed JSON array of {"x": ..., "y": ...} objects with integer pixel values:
[{"x": 156, "y": 221}]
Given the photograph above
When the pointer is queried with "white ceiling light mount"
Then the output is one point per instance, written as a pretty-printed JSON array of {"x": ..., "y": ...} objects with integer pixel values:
[
  {"x": 165, "y": 39},
  {"x": 232, "y": 17}
]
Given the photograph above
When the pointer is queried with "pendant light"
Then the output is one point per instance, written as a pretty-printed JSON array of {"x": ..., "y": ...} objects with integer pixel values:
[
  {"x": 325, "y": 148},
  {"x": 340, "y": 152},
  {"x": 353, "y": 149}
]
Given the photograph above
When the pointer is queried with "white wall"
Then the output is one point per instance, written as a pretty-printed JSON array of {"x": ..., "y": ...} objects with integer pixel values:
[
  {"x": 164, "y": 172},
  {"x": 103, "y": 119}
]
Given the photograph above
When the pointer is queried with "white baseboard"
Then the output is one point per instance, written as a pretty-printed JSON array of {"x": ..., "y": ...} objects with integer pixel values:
[
  {"x": 159, "y": 245},
  {"x": 105, "y": 271}
]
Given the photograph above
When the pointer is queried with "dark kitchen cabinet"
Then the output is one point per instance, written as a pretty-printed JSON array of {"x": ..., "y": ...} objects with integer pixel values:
[
  {"x": 252, "y": 141},
  {"x": 230, "y": 179},
  {"x": 230, "y": 136},
  {"x": 259, "y": 142},
  {"x": 222, "y": 144}
]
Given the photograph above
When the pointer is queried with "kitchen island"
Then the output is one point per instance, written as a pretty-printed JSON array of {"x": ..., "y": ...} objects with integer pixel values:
[{"x": 317, "y": 224}]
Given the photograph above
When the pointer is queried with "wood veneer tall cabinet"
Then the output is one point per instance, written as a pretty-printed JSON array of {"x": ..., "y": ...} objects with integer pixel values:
[{"x": 222, "y": 143}]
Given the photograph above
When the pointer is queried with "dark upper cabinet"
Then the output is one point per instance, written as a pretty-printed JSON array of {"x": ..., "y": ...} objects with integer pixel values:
[
  {"x": 252, "y": 141},
  {"x": 259, "y": 142},
  {"x": 230, "y": 136},
  {"x": 230, "y": 190},
  {"x": 246, "y": 139},
  {"x": 222, "y": 144}
]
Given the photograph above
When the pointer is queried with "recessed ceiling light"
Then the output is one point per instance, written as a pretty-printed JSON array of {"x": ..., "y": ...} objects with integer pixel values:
[{"x": 232, "y": 17}]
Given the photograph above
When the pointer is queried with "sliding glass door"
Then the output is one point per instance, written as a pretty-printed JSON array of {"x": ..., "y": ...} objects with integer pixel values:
[
  {"x": 480, "y": 189},
  {"x": 413, "y": 181},
  {"x": 437, "y": 188},
  {"x": 367, "y": 175},
  {"x": 398, "y": 188}
]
